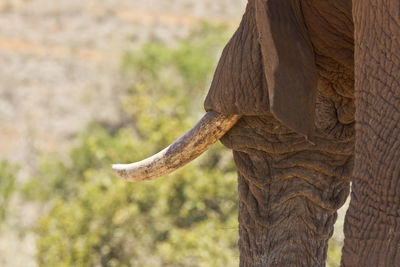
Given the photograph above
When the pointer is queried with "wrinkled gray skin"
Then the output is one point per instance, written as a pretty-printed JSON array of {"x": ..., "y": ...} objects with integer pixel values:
[{"x": 296, "y": 75}]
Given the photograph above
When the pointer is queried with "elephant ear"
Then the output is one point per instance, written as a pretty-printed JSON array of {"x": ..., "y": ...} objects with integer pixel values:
[
  {"x": 268, "y": 66},
  {"x": 289, "y": 63}
]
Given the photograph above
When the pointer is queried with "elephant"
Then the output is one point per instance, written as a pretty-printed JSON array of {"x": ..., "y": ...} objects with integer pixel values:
[{"x": 307, "y": 96}]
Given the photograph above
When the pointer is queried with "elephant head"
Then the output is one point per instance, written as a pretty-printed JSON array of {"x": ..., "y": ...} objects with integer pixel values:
[{"x": 282, "y": 99}]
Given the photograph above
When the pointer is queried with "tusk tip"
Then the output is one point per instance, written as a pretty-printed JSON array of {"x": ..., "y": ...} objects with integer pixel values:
[
  {"x": 120, "y": 170},
  {"x": 124, "y": 171}
]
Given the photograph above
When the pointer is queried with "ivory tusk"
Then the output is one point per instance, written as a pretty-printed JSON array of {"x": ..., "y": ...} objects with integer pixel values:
[{"x": 197, "y": 140}]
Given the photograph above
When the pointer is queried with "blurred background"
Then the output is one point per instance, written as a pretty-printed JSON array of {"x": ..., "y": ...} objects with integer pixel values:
[{"x": 88, "y": 83}]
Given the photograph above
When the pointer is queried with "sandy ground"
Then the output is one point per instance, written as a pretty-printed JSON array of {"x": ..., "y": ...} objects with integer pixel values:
[{"x": 59, "y": 70}]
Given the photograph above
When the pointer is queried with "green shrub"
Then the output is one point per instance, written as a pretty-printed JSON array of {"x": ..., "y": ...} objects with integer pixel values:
[
  {"x": 7, "y": 187},
  {"x": 185, "y": 219}
]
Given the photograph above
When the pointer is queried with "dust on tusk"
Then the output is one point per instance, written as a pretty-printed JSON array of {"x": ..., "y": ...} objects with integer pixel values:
[{"x": 205, "y": 133}]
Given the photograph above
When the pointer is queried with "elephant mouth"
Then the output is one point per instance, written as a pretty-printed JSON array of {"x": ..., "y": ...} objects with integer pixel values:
[{"x": 208, "y": 130}]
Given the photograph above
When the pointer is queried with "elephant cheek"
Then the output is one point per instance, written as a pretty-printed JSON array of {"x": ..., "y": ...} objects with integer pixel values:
[{"x": 239, "y": 85}]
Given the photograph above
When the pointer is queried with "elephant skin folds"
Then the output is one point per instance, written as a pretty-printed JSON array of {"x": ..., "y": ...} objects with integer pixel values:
[
  {"x": 372, "y": 224},
  {"x": 289, "y": 188},
  {"x": 289, "y": 192}
]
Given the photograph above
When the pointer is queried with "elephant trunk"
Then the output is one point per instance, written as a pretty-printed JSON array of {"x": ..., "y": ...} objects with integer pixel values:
[
  {"x": 289, "y": 191},
  {"x": 197, "y": 140}
]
